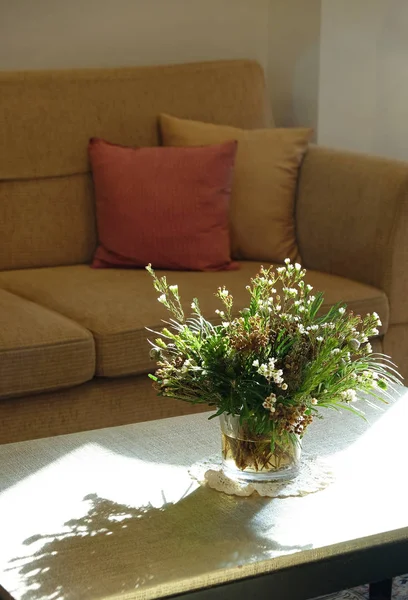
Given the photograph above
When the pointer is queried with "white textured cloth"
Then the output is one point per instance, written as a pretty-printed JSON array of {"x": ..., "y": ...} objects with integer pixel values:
[{"x": 314, "y": 475}]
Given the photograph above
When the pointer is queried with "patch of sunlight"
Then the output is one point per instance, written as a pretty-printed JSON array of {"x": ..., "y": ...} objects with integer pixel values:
[
  {"x": 45, "y": 500},
  {"x": 369, "y": 495}
]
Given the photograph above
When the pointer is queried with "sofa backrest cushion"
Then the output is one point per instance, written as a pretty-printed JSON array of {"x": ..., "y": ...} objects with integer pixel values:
[
  {"x": 262, "y": 219},
  {"x": 47, "y": 211}
]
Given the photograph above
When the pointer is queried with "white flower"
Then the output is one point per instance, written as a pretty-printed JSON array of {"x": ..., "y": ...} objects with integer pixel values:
[
  {"x": 268, "y": 371},
  {"x": 314, "y": 401},
  {"x": 376, "y": 316},
  {"x": 342, "y": 310},
  {"x": 287, "y": 261},
  {"x": 349, "y": 395},
  {"x": 193, "y": 305},
  {"x": 335, "y": 351},
  {"x": 319, "y": 338},
  {"x": 272, "y": 409},
  {"x": 224, "y": 292},
  {"x": 374, "y": 331},
  {"x": 369, "y": 348},
  {"x": 281, "y": 270},
  {"x": 298, "y": 266},
  {"x": 226, "y": 324},
  {"x": 162, "y": 299},
  {"x": 277, "y": 376},
  {"x": 278, "y": 308},
  {"x": 284, "y": 386},
  {"x": 309, "y": 287},
  {"x": 173, "y": 289},
  {"x": 255, "y": 363},
  {"x": 219, "y": 312}
]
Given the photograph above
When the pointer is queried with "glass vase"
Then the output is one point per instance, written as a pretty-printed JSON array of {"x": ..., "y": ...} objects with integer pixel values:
[{"x": 248, "y": 457}]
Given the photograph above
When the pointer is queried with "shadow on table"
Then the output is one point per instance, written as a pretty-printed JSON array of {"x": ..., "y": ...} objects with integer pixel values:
[{"x": 116, "y": 548}]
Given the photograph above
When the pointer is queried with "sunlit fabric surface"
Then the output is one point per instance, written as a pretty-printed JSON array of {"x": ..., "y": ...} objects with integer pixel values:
[{"x": 114, "y": 513}]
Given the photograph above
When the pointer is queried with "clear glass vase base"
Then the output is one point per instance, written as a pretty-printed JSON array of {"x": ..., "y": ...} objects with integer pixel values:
[{"x": 260, "y": 477}]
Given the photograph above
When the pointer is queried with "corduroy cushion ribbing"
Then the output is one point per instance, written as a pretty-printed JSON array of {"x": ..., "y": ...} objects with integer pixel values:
[
  {"x": 39, "y": 349},
  {"x": 116, "y": 305},
  {"x": 164, "y": 206},
  {"x": 262, "y": 218}
]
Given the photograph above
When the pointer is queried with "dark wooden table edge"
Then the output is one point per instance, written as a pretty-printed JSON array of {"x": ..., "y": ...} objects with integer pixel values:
[
  {"x": 306, "y": 580},
  {"x": 312, "y": 579},
  {"x": 4, "y": 595}
]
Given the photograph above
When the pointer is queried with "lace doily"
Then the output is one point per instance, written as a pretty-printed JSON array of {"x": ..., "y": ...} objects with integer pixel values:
[{"x": 314, "y": 475}]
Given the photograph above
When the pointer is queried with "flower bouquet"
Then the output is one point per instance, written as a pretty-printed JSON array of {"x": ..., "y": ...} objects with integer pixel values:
[{"x": 270, "y": 368}]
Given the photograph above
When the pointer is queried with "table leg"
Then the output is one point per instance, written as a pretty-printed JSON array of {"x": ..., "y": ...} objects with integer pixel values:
[{"x": 381, "y": 590}]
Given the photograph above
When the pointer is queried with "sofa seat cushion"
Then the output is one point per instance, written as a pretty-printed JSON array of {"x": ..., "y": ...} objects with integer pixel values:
[
  {"x": 117, "y": 304},
  {"x": 40, "y": 350}
]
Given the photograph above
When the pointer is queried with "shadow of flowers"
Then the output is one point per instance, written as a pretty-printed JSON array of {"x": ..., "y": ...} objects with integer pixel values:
[{"x": 116, "y": 549}]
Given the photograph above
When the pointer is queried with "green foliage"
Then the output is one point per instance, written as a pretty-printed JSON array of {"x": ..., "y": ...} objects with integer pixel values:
[{"x": 274, "y": 363}]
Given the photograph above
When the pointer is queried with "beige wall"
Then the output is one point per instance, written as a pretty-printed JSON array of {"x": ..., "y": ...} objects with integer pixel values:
[
  {"x": 281, "y": 34},
  {"x": 293, "y": 63},
  {"x": 363, "y": 95},
  {"x": 98, "y": 33}
]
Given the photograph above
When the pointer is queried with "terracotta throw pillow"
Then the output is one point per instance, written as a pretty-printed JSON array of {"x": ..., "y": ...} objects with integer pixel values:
[
  {"x": 165, "y": 206},
  {"x": 262, "y": 219}
]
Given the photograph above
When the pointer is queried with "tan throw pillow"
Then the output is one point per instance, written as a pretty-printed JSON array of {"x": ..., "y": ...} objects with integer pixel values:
[{"x": 262, "y": 208}]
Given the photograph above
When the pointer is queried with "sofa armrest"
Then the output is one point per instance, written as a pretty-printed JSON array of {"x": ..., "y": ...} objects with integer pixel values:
[{"x": 352, "y": 220}]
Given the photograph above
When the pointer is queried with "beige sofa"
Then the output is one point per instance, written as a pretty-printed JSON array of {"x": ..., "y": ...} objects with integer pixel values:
[{"x": 73, "y": 350}]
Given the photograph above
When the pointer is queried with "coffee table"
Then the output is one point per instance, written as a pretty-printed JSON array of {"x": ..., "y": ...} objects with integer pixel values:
[{"x": 115, "y": 514}]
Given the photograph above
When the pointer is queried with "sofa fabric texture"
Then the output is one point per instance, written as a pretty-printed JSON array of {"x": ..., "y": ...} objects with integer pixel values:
[
  {"x": 117, "y": 305},
  {"x": 352, "y": 220},
  {"x": 164, "y": 206},
  {"x": 264, "y": 186},
  {"x": 47, "y": 222},
  {"x": 40, "y": 349},
  {"x": 95, "y": 404}
]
